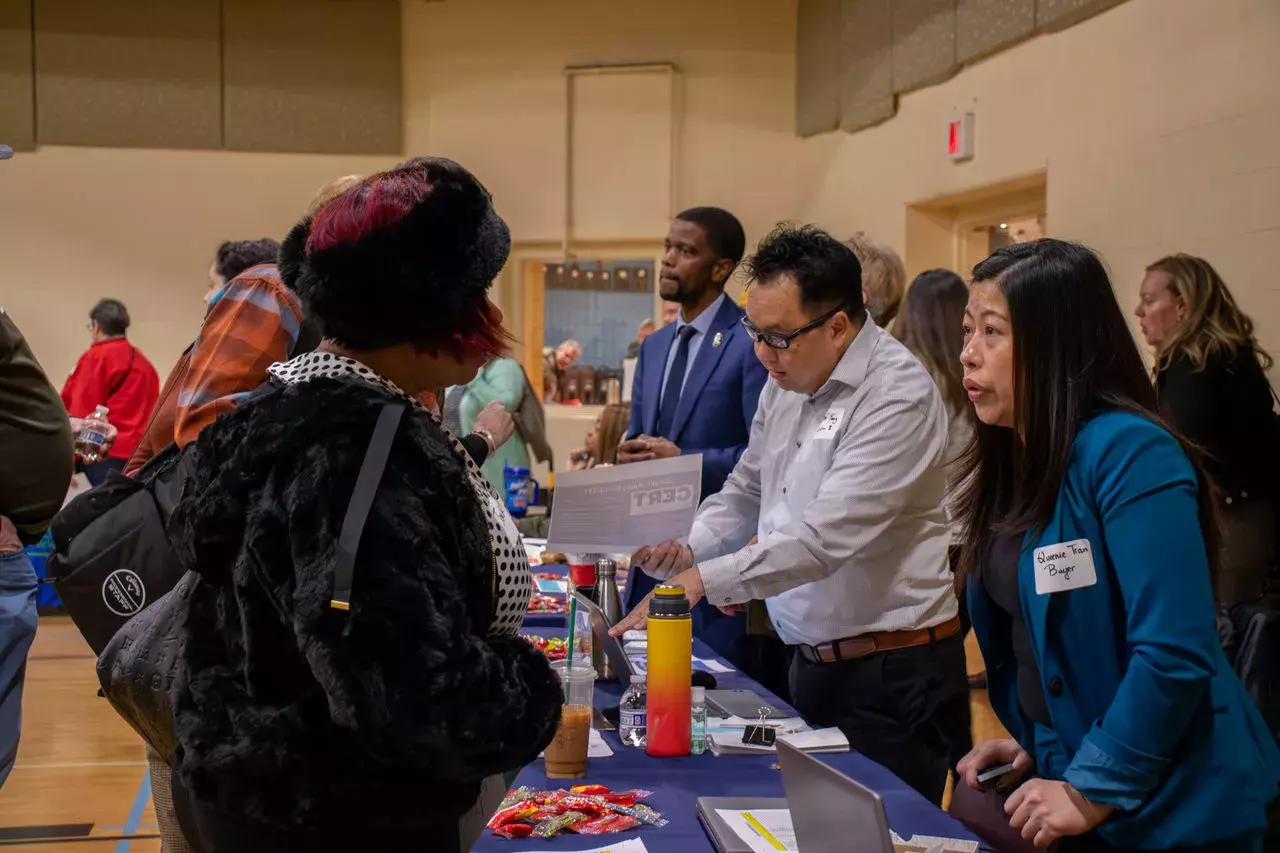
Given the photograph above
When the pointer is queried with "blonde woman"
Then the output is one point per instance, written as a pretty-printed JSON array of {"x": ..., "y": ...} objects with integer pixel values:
[
  {"x": 1210, "y": 374},
  {"x": 884, "y": 278}
]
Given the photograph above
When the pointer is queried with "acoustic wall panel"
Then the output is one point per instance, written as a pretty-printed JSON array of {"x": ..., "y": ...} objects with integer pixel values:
[
  {"x": 924, "y": 43},
  {"x": 1059, "y": 14},
  {"x": 128, "y": 73},
  {"x": 17, "y": 76},
  {"x": 866, "y": 80},
  {"x": 318, "y": 76},
  {"x": 817, "y": 66},
  {"x": 987, "y": 26}
]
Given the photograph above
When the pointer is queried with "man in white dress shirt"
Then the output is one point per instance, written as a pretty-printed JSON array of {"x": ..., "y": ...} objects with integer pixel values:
[{"x": 842, "y": 483}]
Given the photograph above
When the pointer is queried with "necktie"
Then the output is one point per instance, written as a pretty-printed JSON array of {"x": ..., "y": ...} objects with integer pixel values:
[{"x": 675, "y": 380}]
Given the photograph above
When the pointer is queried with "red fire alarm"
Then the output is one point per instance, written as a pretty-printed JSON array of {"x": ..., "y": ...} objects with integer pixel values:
[{"x": 960, "y": 137}]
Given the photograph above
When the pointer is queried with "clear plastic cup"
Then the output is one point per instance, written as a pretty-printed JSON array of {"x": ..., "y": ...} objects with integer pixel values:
[{"x": 566, "y": 757}]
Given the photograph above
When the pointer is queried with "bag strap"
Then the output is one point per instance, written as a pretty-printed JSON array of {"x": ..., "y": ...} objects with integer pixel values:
[
  {"x": 375, "y": 462},
  {"x": 133, "y": 353}
]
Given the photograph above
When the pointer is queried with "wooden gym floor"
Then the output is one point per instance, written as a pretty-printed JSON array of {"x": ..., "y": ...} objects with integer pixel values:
[{"x": 81, "y": 785}]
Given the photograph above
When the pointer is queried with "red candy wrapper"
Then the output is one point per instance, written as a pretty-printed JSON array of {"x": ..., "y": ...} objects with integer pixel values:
[
  {"x": 511, "y": 814},
  {"x": 587, "y": 805},
  {"x": 634, "y": 795},
  {"x": 589, "y": 790},
  {"x": 606, "y": 825},
  {"x": 514, "y": 830}
]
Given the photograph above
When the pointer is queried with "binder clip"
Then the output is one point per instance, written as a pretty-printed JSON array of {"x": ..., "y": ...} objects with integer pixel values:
[{"x": 760, "y": 733}]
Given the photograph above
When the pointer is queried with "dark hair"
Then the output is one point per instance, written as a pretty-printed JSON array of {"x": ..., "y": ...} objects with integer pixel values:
[
  {"x": 724, "y": 232},
  {"x": 931, "y": 325},
  {"x": 403, "y": 257},
  {"x": 1073, "y": 358},
  {"x": 826, "y": 270},
  {"x": 236, "y": 256},
  {"x": 111, "y": 316}
]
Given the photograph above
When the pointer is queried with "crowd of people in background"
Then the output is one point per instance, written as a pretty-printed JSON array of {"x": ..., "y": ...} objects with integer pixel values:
[{"x": 885, "y": 467}]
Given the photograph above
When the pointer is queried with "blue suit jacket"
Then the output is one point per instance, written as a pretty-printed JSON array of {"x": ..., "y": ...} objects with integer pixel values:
[
  {"x": 714, "y": 418},
  {"x": 719, "y": 398},
  {"x": 1147, "y": 713}
]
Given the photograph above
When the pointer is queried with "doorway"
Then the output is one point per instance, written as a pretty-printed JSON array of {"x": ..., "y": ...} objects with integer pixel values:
[{"x": 958, "y": 231}]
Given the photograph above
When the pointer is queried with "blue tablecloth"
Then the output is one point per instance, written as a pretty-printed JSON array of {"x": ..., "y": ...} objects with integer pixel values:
[{"x": 677, "y": 783}]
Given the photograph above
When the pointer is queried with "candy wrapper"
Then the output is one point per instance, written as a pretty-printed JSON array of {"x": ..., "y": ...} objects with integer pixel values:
[
  {"x": 589, "y": 790},
  {"x": 605, "y": 825},
  {"x": 511, "y": 814},
  {"x": 585, "y": 809},
  {"x": 553, "y": 825},
  {"x": 513, "y": 830}
]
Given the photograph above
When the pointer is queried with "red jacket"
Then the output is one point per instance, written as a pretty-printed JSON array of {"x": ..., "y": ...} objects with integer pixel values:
[{"x": 115, "y": 374}]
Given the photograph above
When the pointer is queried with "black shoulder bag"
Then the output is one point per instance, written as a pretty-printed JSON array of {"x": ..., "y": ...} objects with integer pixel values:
[{"x": 140, "y": 664}]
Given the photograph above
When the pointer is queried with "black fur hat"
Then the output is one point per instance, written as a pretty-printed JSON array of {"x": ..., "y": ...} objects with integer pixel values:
[{"x": 416, "y": 280}]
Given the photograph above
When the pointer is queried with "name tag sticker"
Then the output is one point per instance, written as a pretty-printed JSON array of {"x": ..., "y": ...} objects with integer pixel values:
[
  {"x": 1065, "y": 566},
  {"x": 830, "y": 423}
]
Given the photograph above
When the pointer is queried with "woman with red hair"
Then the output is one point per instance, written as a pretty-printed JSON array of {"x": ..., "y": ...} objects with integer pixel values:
[{"x": 301, "y": 727}]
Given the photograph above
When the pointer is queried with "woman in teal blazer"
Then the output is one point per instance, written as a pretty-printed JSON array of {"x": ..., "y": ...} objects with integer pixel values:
[
  {"x": 1090, "y": 529},
  {"x": 501, "y": 380}
]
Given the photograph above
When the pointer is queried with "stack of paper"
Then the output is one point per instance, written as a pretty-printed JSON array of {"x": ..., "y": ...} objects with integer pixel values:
[{"x": 811, "y": 741}]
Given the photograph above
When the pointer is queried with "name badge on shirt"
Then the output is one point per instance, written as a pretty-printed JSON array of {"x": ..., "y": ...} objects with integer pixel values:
[
  {"x": 830, "y": 423},
  {"x": 1067, "y": 565}
]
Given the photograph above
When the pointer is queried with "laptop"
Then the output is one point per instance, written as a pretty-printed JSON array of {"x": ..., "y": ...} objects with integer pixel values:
[
  {"x": 612, "y": 646},
  {"x": 831, "y": 813}
]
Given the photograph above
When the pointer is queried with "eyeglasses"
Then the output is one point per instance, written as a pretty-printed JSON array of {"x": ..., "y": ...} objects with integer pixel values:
[{"x": 782, "y": 340}]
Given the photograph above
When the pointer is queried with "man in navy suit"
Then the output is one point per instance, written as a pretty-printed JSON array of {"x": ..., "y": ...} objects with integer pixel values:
[{"x": 697, "y": 382}]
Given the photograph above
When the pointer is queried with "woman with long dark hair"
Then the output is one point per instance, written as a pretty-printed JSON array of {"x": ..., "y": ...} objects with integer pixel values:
[
  {"x": 303, "y": 724},
  {"x": 1211, "y": 379},
  {"x": 1088, "y": 552},
  {"x": 931, "y": 325}
]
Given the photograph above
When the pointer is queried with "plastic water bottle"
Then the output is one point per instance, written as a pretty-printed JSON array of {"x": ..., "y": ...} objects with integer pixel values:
[
  {"x": 91, "y": 441},
  {"x": 631, "y": 714},
  {"x": 698, "y": 721}
]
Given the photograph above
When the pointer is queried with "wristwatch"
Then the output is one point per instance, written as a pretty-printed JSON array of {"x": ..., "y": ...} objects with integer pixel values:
[{"x": 488, "y": 439}]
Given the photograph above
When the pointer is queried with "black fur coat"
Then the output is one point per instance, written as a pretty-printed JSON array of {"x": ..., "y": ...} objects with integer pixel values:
[{"x": 291, "y": 713}]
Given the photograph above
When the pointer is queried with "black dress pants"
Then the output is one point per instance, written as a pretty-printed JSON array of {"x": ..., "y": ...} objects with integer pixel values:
[{"x": 906, "y": 709}]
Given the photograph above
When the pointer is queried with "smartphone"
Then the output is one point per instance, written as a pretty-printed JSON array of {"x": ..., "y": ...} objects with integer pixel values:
[{"x": 994, "y": 772}]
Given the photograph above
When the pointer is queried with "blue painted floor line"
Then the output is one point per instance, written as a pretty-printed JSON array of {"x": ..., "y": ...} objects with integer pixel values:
[{"x": 135, "y": 813}]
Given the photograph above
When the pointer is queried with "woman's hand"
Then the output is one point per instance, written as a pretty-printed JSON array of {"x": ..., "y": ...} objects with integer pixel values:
[
  {"x": 1046, "y": 811},
  {"x": 579, "y": 459},
  {"x": 994, "y": 753},
  {"x": 497, "y": 421}
]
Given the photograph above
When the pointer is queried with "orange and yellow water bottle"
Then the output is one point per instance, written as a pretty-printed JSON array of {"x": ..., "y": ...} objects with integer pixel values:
[{"x": 670, "y": 670}]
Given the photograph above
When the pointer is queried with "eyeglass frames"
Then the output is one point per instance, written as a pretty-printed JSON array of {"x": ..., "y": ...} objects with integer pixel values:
[{"x": 782, "y": 340}]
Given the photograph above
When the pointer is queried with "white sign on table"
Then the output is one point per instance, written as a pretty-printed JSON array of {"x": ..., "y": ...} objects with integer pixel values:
[
  {"x": 622, "y": 508},
  {"x": 764, "y": 830}
]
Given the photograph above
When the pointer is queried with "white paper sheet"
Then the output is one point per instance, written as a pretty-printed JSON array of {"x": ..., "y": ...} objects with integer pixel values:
[
  {"x": 764, "y": 830},
  {"x": 932, "y": 844},
  {"x": 633, "y": 845},
  {"x": 622, "y": 508}
]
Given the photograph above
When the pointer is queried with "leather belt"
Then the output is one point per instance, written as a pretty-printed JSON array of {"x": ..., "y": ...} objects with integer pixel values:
[{"x": 852, "y": 648}]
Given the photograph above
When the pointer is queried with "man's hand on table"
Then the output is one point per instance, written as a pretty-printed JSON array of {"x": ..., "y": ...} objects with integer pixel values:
[
  {"x": 690, "y": 579},
  {"x": 645, "y": 448}
]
